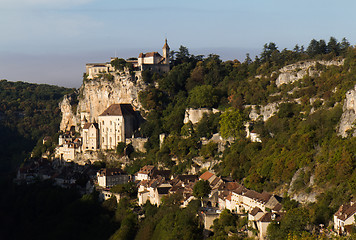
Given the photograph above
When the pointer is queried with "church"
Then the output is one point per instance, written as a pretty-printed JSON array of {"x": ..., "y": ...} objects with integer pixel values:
[
  {"x": 152, "y": 61},
  {"x": 116, "y": 124}
]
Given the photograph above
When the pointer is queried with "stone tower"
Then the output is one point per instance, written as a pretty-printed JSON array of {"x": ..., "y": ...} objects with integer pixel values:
[{"x": 166, "y": 52}]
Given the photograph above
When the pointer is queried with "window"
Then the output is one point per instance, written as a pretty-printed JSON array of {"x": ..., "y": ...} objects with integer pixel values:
[
  {"x": 103, "y": 122},
  {"x": 110, "y": 122},
  {"x": 103, "y": 140}
]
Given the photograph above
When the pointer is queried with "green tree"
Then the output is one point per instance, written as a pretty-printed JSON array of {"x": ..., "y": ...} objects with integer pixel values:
[
  {"x": 203, "y": 96},
  {"x": 201, "y": 189},
  {"x": 231, "y": 123}
]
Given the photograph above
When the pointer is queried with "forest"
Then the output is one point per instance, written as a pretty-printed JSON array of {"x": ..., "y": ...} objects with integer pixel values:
[{"x": 28, "y": 112}]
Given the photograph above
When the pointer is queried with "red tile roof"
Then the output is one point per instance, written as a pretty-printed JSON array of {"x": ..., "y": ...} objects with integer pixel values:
[{"x": 206, "y": 176}]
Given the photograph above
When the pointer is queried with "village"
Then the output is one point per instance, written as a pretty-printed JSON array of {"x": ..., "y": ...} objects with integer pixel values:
[{"x": 119, "y": 123}]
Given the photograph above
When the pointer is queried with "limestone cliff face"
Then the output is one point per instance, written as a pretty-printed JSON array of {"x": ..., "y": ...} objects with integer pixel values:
[
  {"x": 195, "y": 115},
  {"x": 297, "y": 71},
  {"x": 98, "y": 94},
  {"x": 348, "y": 116},
  {"x": 68, "y": 117},
  {"x": 265, "y": 111}
]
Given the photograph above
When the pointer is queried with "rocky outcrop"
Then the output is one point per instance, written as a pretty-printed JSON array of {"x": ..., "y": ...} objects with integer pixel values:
[
  {"x": 195, "y": 115},
  {"x": 297, "y": 71},
  {"x": 264, "y": 111},
  {"x": 68, "y": 117},
  {"x": 98, "y": 94},
  {"x": 348, "y": 117}
]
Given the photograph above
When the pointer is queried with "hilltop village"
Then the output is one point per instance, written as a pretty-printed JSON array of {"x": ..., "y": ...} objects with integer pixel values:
[{"x": 205, "y": 152}]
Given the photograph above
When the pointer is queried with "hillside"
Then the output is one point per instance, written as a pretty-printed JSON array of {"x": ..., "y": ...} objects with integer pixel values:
[
  {"x": 28, "y": 112},
  {"x": 282, "y": 123}
]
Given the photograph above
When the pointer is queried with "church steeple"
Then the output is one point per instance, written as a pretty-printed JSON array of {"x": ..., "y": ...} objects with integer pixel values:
[{"x": 166, "y": 52}]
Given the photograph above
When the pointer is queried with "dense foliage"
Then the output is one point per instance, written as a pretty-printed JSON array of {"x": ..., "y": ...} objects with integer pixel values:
[{"x": 28, "y": 112}]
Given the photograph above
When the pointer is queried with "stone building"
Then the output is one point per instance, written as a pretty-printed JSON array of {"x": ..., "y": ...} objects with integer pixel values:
[
  {"x": 116, "y": 123},
  {"x": 109, "y": 177},
  {"x": 152, "y": 61},
  {"x": 90, "y": 134}
]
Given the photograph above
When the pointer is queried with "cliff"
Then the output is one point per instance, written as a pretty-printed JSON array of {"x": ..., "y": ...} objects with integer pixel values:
[
  {"x": 348, "y": 117},
  {"x": 264, "y": 111},
  {"x": 98, "y": 94},
  {"x": 297, "y": 71}
]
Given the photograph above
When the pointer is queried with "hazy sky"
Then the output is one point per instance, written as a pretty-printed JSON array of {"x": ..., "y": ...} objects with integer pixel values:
[{"x": 49, "y": 41}]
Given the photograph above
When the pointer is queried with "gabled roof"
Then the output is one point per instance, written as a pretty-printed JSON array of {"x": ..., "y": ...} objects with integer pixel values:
[
  {"x": 240, "y": 190},
  {"x": 269, "y": 217},
  {"x": 163, "y": 173},
  {"x": 206, "y": 176},
  {"x": 278, "y": 207},
  {"x": 215, "y": 181},
  {"x": 146, "y": 169},
  {"x": 255, "y": 211},
  {"x": 150, "y": 54},
  {"x": 88, "y": 125},
  {"x": 119, "y": 110},
  {"x": 187, "y": 178},
  {"x": 111, "y": 172},
  {"x": 345, "y": 211},
  {"x": 163, "y": 190}
]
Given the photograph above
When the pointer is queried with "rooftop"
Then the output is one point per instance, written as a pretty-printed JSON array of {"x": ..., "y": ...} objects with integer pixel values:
[
  {"x": 206, "y": 176},
  {"x": 119, "y": 110}
]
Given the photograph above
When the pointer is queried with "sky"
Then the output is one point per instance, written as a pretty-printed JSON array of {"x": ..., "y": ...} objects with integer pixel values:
[{"x": 50, "y": 41}]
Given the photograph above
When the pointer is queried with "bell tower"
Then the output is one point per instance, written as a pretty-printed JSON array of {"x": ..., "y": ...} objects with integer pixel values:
[{"x": 166, "y": 52}]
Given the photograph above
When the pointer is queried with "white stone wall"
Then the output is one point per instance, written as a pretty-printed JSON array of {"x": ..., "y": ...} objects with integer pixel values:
[
  {"x": 102, "y": 181},
  {"x": 111, "y": 131}
]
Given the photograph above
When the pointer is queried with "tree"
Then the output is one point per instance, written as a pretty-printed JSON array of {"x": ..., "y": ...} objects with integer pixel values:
[
  {"x": 224, "y": 224},
  {"x": 333, "y": 46},
  {"x": 203, "y": 96},
  {"x": 183, "y": 54},
  {"x": 201, "y": 189},
  {"x": 231, "y": 123},
  {"x": 120, "y": 148},
  {"x": 268, "y": 50}
]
